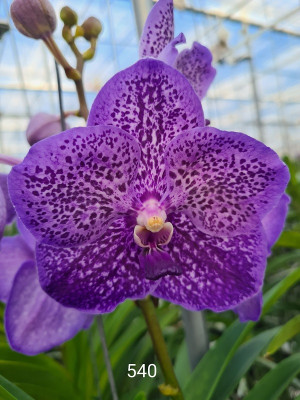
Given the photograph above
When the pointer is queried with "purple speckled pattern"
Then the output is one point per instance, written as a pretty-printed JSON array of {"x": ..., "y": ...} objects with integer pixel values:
[
  {"x": 169, "y": 54},
  {"x": 14, "y": 251},
  {"x": 96, "y": 277},
  {"x": 195, "y": 65},
  {"x": 250, "y": 309},
  {"x": 226, "y": 182},
  {"x": 158, "y": 30},
  {"x": 35, "y": 322},
  {"x": 147, "y": 162},
  {"x": 217, "y": 273},
  {"x": 75, "y": 181},
  {"x": 154, "y": 103},
  {"x": 273, "y": 222}
]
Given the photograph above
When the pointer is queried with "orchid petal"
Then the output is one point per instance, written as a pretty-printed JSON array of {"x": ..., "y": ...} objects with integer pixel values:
[
  {"x": 217, "y": 273},
  {"x": 154, "y": 103},
  {"x": 96, "y": 277},
  {"x": 158, "y": 30},
  {"x": 14, "y": 251},
  {"x": 226, "y": 182},
  {"x": 10, "y": 211},
  {"x": 195, "y": 65},
  {"x": 250, "y": 309},
  {"x": 27, "y": 237},
  {"x": 2, "y": 213},
  {"x": 273, "y": 222},
  {"x": 169, "y": 53},
  {"x": 71, "y": 186},
  {"x": 34, "y": 322}
]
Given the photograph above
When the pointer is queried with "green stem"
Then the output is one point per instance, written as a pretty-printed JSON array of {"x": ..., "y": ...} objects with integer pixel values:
[
  {"x": 159, "y": 346},
  {"x": 83, "y": 109},
  {"x": 70, "y": 72}
]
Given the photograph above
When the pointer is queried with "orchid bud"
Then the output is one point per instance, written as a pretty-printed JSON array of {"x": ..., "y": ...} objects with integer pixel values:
[
  {"x": 67, "y": 34},
  {"x": 33, "y": 18},
  {"x": 92, "y": 28},
  {"x": 68, "y": 16},
  {"x": 41, "y": 126}
]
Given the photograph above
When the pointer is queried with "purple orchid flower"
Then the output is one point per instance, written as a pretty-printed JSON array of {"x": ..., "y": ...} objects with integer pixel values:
[
  {"x": 158, "y": 41},
  {"x": 49, "y": 324},
  {"x": 146, "y": 199}
]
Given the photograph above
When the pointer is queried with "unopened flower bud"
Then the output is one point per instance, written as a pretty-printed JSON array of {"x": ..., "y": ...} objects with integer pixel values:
[
  {"x": 68, "y": 16},
  {"x": 41, "y": 126},
  {"x": 33, "y": 18},
  {"x": 92, "y": 28},
  {"x": 67, "y": 34}
]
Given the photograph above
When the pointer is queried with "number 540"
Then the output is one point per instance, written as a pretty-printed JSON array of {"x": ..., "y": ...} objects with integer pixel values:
[{"x": 132, "y": 370}]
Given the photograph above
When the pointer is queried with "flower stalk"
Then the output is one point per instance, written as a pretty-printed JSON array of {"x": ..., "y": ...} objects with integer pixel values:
[
  {"x": 160, "y": 348},
  {"x": 8, "y": 160}
]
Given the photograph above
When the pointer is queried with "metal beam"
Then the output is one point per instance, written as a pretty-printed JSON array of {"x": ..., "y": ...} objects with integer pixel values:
[
  {"x": 248, "y": 21},
  {"x": 141, "y": 11}
]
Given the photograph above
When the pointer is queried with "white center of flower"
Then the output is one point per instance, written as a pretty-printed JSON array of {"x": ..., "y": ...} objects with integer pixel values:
[{"x": 152, "y": 216}]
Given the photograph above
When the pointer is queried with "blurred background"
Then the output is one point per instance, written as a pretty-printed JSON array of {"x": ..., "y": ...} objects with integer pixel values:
[{"x": 256, "y": 49}]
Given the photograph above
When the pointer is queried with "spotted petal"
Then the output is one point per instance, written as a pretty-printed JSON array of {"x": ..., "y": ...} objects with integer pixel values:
[
  {"x": 217, "y": 273},
  {"x": 34, "y": 322},
  {"x": 273, "y": 222},
  {"x": 71, "y": 186},
  {"x": 158, "y": 30},
  {"x": 195, "y": 65},
  {"x": 226, "y": 182},
  {"x": 14, "y": 252},
  {"x": 154, "y": 103},
  {"x": 97, "y": 277}
]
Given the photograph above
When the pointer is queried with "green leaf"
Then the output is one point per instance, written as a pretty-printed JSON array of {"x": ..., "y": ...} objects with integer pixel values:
[
  {"x": 240, "y": 363},
  {"x": 182, "y": 366},
  {"x": 274, "y": 382},
  {"x": 77, "y": 359},
  {"x": 206, "y": 375},
  {"x": 287, "y": 332},
  {"x": 114, "y": 322},
  {"x": 140, "y": 396},
  {"x": 282, "y": 260},
  {"x": 41, "y": 372},
  {"x": 289, "y": 239},
  {"x": 9, "y": 391},
  {"x": 208, "y": 372},
  {"x": 278, "y": 290}
]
